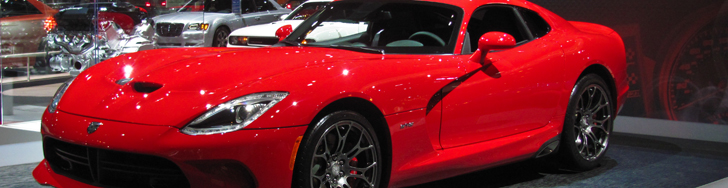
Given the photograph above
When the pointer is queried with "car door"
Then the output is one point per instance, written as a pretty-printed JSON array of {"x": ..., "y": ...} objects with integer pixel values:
[
  {"x": 250, "y": 14},
  {"x": 518, "y": 92},
  {"x": 254, "y": 14},
  {"x": 269, "y": 11}
]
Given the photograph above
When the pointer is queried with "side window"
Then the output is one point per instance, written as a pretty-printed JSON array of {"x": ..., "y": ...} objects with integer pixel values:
[
  {"x": 539, "y": 27},
  {"x": 17, "y": 8},
  {"x": 495, "y": 18},
  {"x": 247, "y": 6},
  {"x": 263, "y": 5}
]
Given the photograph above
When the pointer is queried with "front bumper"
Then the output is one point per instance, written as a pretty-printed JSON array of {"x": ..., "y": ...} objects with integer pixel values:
[
  {"x": 186, "y": 39},
  {"x": 206, "y": 161}
]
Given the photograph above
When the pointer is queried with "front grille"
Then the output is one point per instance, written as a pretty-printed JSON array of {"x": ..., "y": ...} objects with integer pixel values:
[
  {"x": 107, "y": 168},
  {"x": 169, "y": 29},
  {"x": 262, "y": 40}
]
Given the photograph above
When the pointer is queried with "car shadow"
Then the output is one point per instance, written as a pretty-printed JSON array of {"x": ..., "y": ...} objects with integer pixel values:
[
  {"x": 532, "y": 173},
  {"x": 626, "y": 152}
]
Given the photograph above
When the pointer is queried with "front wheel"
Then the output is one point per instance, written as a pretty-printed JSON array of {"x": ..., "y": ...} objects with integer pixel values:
[
  {"x": 220, "y": 37},
  {"x": 341, "y": 151},
  {"x": 588, "y": 123}
]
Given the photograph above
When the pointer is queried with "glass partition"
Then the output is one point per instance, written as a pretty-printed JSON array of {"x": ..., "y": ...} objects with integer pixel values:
[{"x": 45, "y": 42}]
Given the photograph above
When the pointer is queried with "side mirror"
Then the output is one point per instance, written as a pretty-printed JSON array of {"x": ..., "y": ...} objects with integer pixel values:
[
  {"x": 284, "y": 31},
  {"x": 282, "y": 17},
  {"x": 493, "y": 41}
]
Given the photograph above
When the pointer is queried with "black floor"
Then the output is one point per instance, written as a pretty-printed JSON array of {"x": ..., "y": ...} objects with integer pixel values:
[{"x": 632, "y": 161}]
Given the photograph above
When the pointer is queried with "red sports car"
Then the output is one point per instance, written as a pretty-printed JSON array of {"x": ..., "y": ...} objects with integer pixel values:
[{"x": 428, "y": 90}]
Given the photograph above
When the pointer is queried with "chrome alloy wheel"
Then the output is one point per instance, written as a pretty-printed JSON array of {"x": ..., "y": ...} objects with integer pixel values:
[
  {"x": 345, "y": 156},
  {"x": 591, "y": 121},
  {"x": 220, "y": 38}
]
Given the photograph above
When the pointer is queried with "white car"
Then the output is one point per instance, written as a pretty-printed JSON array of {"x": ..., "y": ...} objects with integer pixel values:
[{"x": 264, "y": 34}]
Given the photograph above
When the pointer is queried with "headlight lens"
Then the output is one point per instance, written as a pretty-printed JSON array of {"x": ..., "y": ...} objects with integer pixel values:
[
  {"x": 233, "y": 115},
  {"x": 238, "y": 40},
  {"x": 57, "y": 97},
  {"x": 198, "y": 26}
]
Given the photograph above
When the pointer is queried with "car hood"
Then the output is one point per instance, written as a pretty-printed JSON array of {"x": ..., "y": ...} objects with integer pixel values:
[
  {"x": 192, "y": 81},
  {"x": 187, "y": 17},
  {"x": 265, "y": 30}
]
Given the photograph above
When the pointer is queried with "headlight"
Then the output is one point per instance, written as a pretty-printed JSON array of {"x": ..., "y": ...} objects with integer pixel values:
[
  {"x": 198, "y": 26},
  {"x": 57, "y": 97},
  {"x": 238, "y": 40},
  {"x": 233, "y": 115}
]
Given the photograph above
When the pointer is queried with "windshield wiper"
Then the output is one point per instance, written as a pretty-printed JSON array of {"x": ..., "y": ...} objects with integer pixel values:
[{"x": 359, "y": 49}]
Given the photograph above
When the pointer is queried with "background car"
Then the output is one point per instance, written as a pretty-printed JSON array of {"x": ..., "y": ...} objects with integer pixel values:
[
  {"x": 22, "y": 29},
  {"x": 430, "y": 90},
  {"x": 211, "y": 26},
  {"x": 264, "y": 34}
]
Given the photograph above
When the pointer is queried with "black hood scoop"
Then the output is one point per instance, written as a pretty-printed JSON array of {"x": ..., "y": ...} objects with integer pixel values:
[{"x": 146, "y": 87}]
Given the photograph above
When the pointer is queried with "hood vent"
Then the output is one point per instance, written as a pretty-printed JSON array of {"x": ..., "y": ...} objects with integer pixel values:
[{"x": 146, "y": 87}]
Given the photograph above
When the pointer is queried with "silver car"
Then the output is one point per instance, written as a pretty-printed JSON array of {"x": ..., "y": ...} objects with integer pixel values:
[{"x": 201, "y": 23}]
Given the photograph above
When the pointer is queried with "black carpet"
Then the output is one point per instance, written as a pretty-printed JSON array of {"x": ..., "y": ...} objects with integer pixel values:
[{"x": 632, "y": 161}]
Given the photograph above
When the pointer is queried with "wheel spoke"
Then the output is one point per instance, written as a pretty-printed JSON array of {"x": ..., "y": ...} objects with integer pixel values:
[
  {"x": 362, "y": 170},
  {"x": 363, "y": 149},
  {"x": 590, "y": 97},
  {"x": 356, "y": 147},
  {"x": 598, "y": 106},
  {"x": 602, "y": 121},
  {"x": 583, "y": 140},
  {"x": 362, "y": 178},
  {"x": 342, "y": 139}
]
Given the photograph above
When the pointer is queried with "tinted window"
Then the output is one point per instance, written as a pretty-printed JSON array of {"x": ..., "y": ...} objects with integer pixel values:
[
  {"x": 223, "y": 6},
  {"x": 263, "y": 5},
  {"x": 17, "y": 8},
  {"x": 539, "y": 27},
  {"x": 495, "y": 18}
]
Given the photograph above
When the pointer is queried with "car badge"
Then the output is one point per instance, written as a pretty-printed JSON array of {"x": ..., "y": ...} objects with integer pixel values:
[{"x": 93, "y": 126}]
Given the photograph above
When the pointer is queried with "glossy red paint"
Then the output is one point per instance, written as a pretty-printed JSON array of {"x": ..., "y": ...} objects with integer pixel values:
[
  {"x": 486, "y": 114},
  {"x": 284, "y": 31}
]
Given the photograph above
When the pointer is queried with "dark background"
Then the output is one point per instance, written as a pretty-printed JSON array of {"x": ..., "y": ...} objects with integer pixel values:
[{"x": 676, "y": 53}]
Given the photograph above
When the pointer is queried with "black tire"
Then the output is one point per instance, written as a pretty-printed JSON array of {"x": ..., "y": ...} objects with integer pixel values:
[
  {"x": 220, "y": 37},
  {"x": 588, "y": 123},
  {"x": 346, "y": 164}
]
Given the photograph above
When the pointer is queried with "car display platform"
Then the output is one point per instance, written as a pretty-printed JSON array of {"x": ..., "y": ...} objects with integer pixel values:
[{"x": 632, "y": 161}]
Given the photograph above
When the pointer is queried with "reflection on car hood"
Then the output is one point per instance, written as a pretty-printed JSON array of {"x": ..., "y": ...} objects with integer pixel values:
[
  {"x": 193, "y": 80},
  {"x": 264, "y": 30},
  {"x": 189, "y": 17}
]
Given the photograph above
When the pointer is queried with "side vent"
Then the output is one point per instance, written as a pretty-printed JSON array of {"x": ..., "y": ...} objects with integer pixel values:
[{"x": 146, "y": 87}]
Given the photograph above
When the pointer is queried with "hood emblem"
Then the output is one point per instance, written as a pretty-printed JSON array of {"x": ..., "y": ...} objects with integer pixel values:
[{"x": 93, "y": 126}]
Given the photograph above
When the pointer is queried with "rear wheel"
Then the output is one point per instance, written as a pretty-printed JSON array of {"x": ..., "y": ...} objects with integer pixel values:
[
  {"x": 341, "y": 151},
  {"x": 588, "y": 123}
]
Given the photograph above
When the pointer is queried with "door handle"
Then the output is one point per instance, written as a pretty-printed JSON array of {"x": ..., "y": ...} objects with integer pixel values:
[{"x": 257, "y": 18}]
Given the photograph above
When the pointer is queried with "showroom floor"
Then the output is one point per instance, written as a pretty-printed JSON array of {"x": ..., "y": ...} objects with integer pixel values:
[{"x": 632, "y": 160}]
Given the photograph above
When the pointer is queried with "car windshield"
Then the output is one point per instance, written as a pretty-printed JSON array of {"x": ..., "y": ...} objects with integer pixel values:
[
  {"x": 395, "y": 27},
  {"x": 305, "y": 10}
]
